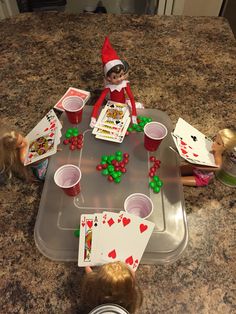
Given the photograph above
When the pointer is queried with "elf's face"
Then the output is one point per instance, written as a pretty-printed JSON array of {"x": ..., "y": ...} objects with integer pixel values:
[{"x": 117, "y": 78}]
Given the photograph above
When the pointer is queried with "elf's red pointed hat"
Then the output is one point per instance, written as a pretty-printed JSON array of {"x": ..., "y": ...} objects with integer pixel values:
[{"x": 109, "y": 56}]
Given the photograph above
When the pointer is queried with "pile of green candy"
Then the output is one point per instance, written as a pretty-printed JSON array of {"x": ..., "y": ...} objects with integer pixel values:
[
  {"x": 71, "y": 132},
  {"x": 142, "y": 121},
  {"x": 156, "y": 184},
  {"x": 113, "y": 166}
]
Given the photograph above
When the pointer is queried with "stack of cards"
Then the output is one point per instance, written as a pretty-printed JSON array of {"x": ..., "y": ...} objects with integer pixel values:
[
  {"x": 73, "y": 92},
  {"x": 44, "y": 138},
  {"x": 113, "y": 122},
  {"x": 109, "y": 237},
  {"x": 193, "y": 145}
]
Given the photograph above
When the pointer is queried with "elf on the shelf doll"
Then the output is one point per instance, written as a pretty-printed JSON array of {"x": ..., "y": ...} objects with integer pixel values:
[{"x": 116, "y": 73}]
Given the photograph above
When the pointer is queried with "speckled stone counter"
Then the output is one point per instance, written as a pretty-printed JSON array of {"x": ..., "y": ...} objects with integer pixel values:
[{"x": 184, "y": 66}]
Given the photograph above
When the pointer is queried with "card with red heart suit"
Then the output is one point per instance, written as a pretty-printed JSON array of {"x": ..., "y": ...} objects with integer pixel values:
[
  {"x": 85, "y": 95},
  {"x": 43, "y": 139},
  {"x": 122, "y": 237},
  {"x": 192, "y": 145}
]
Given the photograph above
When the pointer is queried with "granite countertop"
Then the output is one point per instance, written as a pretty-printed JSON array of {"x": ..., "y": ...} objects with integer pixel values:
[{"x": 181, "y": 65}]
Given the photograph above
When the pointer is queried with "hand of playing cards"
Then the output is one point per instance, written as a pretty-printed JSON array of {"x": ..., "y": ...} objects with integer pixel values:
[
  {"x": 109, "y": 237},
  {"x": 193, "y": 145},
  {"x": 113, "y": 122},
  {"x": 43, "y": 139}
]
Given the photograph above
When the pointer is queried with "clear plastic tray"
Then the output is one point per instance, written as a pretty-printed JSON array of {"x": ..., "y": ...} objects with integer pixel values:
[{"x": 59, "y": 214}]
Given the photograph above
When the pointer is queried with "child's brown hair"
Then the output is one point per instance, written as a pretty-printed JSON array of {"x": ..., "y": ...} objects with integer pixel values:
[{"x": 112, "y": 283}]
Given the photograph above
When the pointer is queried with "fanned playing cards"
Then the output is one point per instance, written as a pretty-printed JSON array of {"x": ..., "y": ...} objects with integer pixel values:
[
  {"x": 109, "y": 237},
  {"x": 43, "y": 139},
  {"x": 112, "y": 122},
  {"x": 193, "y": 145}
]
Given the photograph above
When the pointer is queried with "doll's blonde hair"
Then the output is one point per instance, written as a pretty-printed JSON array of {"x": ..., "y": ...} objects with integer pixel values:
[
  {"x": 112, "y": 283},
  {"x": 228, "y": 137},
  {"x": 10, "y": 162}
]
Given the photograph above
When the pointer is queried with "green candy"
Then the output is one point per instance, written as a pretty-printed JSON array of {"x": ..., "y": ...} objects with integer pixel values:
[
  {"x": 110, "y": 158},
  {"x": 117, "y": 180},
  {"x": 110, "y": 168},
  {"x": 104, "y": 158},
  {"x": 156, "y": 189},
  {"x": 105, "y": 172},
  {"x": 141, "y": 124},
  {"x": 119, "y": 173},
  {"x": 135, "y": 126},
  {"x": 118, "y": 153},
  {"x": 130, "y": 129},
  {"x": 156, "y": 178},
  {"x": 68, "y": 135},
  {"x": 114, "y": 175},
  {"x": 149, "y": 119},
  {"x": 103, "y": 162},
  {"x": 77, "y": 233},
  {"x": 118, "y": 158},
  {"x": 160, "y": 183},
  {"x": 139, "y": 129},
  {"x": 152, "y": 184}
]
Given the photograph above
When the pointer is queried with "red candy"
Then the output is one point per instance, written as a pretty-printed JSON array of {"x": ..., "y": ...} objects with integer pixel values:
[
  {"x": 153, "y": 169},
  {"x": 104, "y": 166},
  {"x": 99, "y": 167},
  {"x": 79, "y": 146},
  {"x": 151, "y": 174},
  {"x": 65, "y": 142},
  {"x": 123, "y": 170},
  {"x": 152, "y": 158},
  {"x": 125, "y": 160},
  {"x": 80, "y": 136},
  {"x": 126, "y": 155},
  {"x": 110, "y": 178},
  {"x": 72, "y": 147}
]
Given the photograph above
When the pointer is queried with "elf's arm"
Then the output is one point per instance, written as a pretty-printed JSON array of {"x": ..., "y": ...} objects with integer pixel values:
[
  {"x": 97, "y": 106},
  {"x": 131, "y": 97}
]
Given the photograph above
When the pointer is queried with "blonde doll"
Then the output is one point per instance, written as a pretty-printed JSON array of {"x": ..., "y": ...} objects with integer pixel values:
[
  {"x": 201, "y": 176},
  {"x": 112, "y": 283},
  {"x": 13, "y": 149}
]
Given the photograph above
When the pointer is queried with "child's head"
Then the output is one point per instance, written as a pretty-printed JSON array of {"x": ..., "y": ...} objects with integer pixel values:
[
  {"x": 112, "y": 283},
  {"x": 228, "y": 138},
  {"x": 118, "y": 73},
  {"x": 10, "y": 145}
]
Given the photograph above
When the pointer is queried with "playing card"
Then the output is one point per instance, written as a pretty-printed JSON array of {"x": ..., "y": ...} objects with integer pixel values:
[
  {"x": 193, "y": 145},
  {"x": 112, "y": 123},
  {"x": 49, "y": 123},
  {"x": 41, "y": 147},
  {"x": 90, "y": 240},
  {"x": 126, "y": 237},
  {"x": 72, "y": 92}
]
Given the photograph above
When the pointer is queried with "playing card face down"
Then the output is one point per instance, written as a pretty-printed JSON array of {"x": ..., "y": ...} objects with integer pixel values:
[
  {"x": 85, "y": 95},
  {"x": 193, "y": 145},
  {"x": 118, "y": 237}
]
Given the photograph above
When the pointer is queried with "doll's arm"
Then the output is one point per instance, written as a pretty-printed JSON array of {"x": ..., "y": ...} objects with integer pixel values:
[
  {"x": 131, "y": 97},
  {"x": 23, "y": 149},
  {"x": 189, "y": 181},
  {"x": 99, "y": 102},
  {"x": 218, "y": 149}
]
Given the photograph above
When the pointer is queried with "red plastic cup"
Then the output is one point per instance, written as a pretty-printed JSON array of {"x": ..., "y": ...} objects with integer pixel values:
[
  {"x": 139, "y": 205},
  {"x": 154, "y": 133},
  {"x": 73, "y": 106},
  {"x": 68, "y": 178}
]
